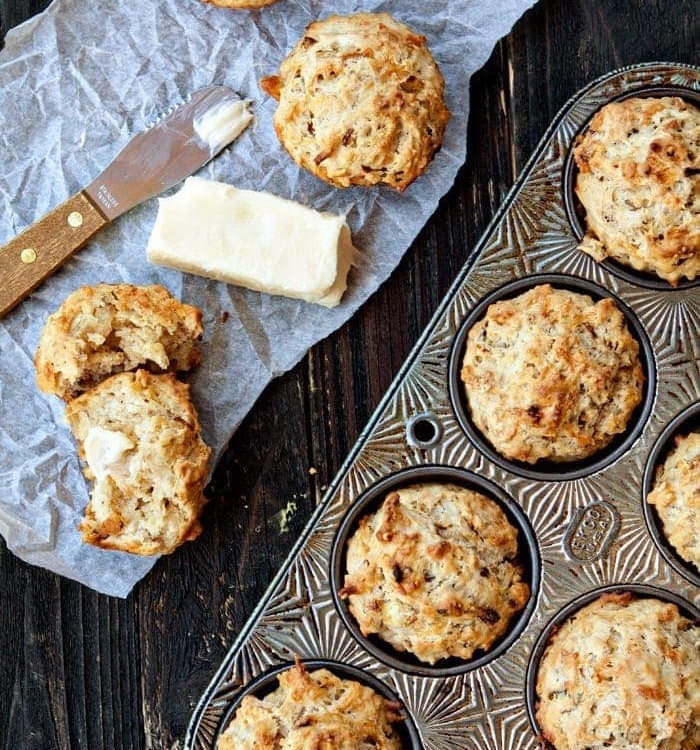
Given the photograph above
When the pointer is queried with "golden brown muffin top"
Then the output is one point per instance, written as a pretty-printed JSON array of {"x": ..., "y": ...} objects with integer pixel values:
[
  {"x": 314, "y": 710},
  {"x": 361, "y": 101},
  {"x": 551, "y": 374},
  {"x": 622, "y": 673},
  {"x": 639, "y": 181},
  {"x": 434, "y": 572},
  {"x": 676, "y": 495}
]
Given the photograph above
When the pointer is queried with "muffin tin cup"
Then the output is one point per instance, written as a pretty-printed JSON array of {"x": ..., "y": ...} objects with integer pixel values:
[
  {"x": 582, "y": 525},
  {"x": 687, "y": 421},
  {"x": 268, "y": 682},
  {"x": 640, "y": 591},
  {"x": 528, "y": 557},
  {"x": 549, "y": 471},
  {"x": 575, "y": 211}
]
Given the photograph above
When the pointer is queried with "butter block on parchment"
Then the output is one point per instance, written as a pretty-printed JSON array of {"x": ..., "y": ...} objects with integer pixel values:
[{"x": 253, "y": 239}]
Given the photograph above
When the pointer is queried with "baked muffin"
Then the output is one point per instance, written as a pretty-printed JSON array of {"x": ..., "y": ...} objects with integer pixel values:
[
  {"x": 622, "y": 673},
  {"x": 241, "y": 4},
  {"x": 140, "y": 437},
  {"x": 361, "y": 101},
  {"x": 551, "y": 374},
  {"x": 313, "y": 710},
  {"x": 108, "y": 328},
  {"x": 676, "y": 496},
  {"x": 434, "y": 572},
  {"x": 638, "y": 180}
]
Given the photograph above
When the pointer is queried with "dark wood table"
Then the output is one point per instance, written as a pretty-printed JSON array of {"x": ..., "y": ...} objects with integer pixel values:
[{"x": 81, "y": 670}]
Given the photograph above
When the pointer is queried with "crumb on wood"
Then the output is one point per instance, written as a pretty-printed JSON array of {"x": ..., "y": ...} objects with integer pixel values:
[{"x": 284, "y": 515}]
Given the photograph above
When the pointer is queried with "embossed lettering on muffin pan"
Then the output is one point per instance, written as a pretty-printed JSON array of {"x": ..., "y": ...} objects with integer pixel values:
[
  {"x": 576, "y": 212},
  {"x": 265, "y": 683},
  {"x": 639, "y": 591},
  {"x": 588, "y": 523},
  {"x": 370, "y": 501},
  {"x": 687, "y": 421}
]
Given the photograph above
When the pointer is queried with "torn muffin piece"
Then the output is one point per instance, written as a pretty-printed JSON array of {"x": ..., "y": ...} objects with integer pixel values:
[
  {"x": 104, "y": 329},
  {"x": 140, "y": 438}
]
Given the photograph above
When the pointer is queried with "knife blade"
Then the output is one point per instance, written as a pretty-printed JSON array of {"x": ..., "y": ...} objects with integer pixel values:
[{"x": 152, "y": 162}]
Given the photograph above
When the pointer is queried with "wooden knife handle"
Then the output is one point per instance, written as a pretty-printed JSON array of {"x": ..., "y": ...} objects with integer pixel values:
[{"x": 35, "y": 254}]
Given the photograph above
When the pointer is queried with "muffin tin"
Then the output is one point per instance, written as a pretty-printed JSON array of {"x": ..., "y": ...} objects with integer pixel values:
[{"x": 584, "y": 528}]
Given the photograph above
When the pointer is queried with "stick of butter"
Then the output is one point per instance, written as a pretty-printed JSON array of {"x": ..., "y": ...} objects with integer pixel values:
[{"x": 253, "y": 239}]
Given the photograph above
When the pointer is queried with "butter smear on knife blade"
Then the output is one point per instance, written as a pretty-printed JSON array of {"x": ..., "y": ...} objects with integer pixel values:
[
  {"x": 253, "y": 239},
  {"x": 223, "y": 123}
]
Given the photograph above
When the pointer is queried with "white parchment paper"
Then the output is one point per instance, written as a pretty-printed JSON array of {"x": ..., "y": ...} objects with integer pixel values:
[{"x": 76, "y": 83}]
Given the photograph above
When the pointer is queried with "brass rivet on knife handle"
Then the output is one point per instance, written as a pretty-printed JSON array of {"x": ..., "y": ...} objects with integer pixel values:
[{"x": 38, "y": 251}]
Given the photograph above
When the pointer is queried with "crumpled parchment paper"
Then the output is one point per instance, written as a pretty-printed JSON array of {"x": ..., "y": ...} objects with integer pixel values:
[{"x": 76, "y": 83}]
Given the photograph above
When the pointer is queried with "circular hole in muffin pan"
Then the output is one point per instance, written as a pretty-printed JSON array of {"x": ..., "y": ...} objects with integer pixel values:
[
  {"x": 423, "y": 431},
  {"x": 528, "y": 557},
  {"x": 267, "y": 682},
  {"x": 685, "y": 422},
  {"x": 545, "y": 470},
  {"x": 576, "y": 213},
  {"x": 640, "y": 591}
]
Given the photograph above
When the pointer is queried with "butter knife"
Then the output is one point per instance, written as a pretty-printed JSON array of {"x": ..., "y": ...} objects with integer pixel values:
[{"x": 153, "y": 161}]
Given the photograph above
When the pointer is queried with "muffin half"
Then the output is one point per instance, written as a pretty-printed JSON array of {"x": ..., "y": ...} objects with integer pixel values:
[
  {"x": 140, "y": 438},
  {"x": 104, "y": 329}
]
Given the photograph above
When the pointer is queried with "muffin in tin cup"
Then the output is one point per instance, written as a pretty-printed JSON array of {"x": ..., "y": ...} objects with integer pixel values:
[
  {"x": 435, "y": 571},
  {"x": 552, "y": 377},
  {"x": 619, "y": 667},
  {"x": 313, "y": 701},
  {"x": 671, "y": 493},
  {"x": 631, "y": 183}
]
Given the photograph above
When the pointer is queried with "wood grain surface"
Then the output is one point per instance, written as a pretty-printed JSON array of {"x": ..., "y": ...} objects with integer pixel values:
[{"x": 80, "y": 670}]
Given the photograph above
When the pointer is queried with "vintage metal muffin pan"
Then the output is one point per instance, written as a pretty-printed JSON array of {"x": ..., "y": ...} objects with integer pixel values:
[{"x": 583, "y": 528}]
